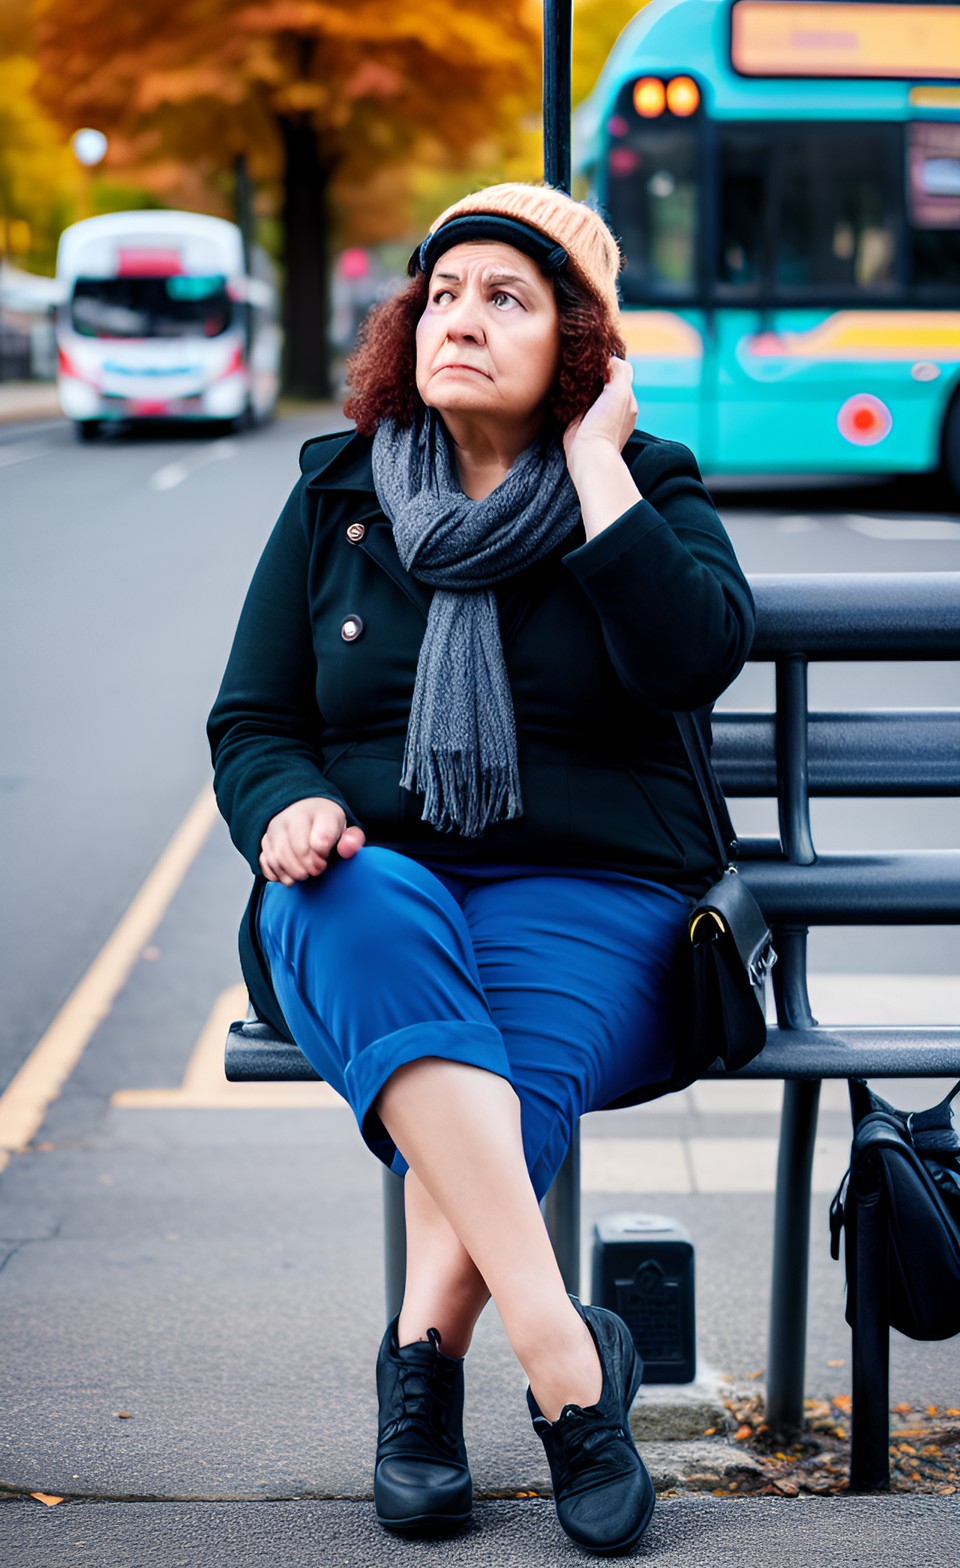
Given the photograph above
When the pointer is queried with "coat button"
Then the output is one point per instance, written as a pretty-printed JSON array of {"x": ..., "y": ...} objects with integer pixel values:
[
  {"x": 356, "y": 532},
  {"x": 351, "y": 628}
]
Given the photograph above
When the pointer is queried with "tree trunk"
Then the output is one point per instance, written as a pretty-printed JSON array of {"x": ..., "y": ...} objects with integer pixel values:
[{"x": 306, "y": 295}]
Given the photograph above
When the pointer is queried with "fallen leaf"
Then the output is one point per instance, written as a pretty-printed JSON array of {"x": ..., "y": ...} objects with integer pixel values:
[
  {"x": 710, "y": 1432},
  {"x": 946, "y": 1491},
  {"x": 931, "y": 1410},
  {"x": 836, "y": 1363},
  {"x": 841, "y": 1401},
  {"x": 125, "y": 1415},
  {"x": 906, "y": 1449},
  {"x": 788, "y": 1488},
  {"x": 755, "y": 1375},
  {"x": 952, "y": 1412},
  {"x": 47, "y": 1498},
  {"x": 902, "y": 1409},
  {"x": 742, "y": 1433}
]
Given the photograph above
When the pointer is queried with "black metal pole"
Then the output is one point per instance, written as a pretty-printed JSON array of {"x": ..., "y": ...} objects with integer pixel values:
[
  {"x": 557, "y": 55},
  {"x": 562, "y": 1203}
]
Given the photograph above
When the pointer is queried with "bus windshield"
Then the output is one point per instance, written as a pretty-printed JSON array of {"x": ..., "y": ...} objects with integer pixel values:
[{"x": 142, "y": 307}]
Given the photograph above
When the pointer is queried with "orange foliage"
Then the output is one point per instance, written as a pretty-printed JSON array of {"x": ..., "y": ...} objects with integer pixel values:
[{"x": 382, "y": 83}]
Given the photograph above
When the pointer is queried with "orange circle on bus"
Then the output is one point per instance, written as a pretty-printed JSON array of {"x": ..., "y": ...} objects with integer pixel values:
[
  {"x": 649, "y": 97},
  {"x": 683, "y": 95},
  {"x": 864, "y": 419}
]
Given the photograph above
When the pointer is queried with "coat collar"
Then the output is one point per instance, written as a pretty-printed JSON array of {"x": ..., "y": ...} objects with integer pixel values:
[
  {"x": 340, "y": 461},
  {"x": 344, "y": 461}
]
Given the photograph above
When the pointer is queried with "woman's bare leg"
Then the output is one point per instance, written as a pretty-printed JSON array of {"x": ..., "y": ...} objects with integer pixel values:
[
  {"x": 459, "y": 1130},
  {"x": 444, "y": 1289}
]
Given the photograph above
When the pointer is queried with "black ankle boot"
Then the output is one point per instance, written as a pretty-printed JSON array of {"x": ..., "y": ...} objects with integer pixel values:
[
  {"x": 421, "y": 1483},
  {"x": 603, "y": 1494}
]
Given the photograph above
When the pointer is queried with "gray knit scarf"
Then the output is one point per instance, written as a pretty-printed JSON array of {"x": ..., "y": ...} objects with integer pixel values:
[{"x": 461, "y": 747}]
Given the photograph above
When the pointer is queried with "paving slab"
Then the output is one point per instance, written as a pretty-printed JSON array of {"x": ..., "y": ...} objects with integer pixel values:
[{"x": 854, "y": 1532}]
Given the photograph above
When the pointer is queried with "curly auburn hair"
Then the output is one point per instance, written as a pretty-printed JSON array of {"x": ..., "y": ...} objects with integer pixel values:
[{"x": 381, "y": 372}]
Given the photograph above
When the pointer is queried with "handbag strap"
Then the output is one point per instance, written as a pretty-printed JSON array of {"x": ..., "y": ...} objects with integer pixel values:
[{"x": 708, "y": 785}]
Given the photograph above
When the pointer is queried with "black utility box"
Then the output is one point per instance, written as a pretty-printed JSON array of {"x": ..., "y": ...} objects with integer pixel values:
[{"x": 643, "y": 1271}]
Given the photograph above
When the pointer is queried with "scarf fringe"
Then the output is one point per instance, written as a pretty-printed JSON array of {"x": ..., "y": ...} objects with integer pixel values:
[{"x": 457, "y": 796}]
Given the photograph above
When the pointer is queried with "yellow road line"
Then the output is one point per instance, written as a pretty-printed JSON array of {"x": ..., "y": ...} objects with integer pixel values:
[
  {"x": 205, "y": 1087},
  {"x": 52, "y": 1060}
]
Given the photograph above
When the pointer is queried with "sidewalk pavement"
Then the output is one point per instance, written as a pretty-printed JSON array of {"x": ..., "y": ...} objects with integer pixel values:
[
  {"x": 192, "y": 1297},
  {"x": 27, "y": 400}
]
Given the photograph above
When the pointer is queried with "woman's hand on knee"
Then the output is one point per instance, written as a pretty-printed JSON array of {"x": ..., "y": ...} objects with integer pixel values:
[{"x": 301, "y": 839}]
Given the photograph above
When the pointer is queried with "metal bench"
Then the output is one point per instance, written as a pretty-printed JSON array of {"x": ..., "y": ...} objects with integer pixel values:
[{"x": 790, "y": 754}]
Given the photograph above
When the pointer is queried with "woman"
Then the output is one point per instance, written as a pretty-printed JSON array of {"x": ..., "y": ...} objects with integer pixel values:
[{"x": 445, "y": 744}]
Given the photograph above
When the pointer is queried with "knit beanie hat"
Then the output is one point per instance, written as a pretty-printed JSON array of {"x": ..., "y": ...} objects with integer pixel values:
[{"x": 544, "y": 223}]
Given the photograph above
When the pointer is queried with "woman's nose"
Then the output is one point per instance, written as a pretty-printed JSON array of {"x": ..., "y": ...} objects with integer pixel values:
[{"x": 464, "y": 320}]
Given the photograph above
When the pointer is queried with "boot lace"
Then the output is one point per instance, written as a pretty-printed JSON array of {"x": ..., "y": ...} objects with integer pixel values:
[
  {"x": 585, "y": 1450},
  {"x": 421, "y": 1404}
]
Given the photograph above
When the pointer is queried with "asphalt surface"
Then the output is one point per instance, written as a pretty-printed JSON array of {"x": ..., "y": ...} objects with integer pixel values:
[{"x": 831, "y": 1532}]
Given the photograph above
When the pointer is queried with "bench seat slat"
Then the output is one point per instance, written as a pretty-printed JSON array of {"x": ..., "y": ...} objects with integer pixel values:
[
  {"x": 863, "y": 615},
  {"x": 901, "y": 752},
  {"x": 896, "y": 887},
  {"x": 254, "y": 1055},
  {"x": 855, "y": 1052}
]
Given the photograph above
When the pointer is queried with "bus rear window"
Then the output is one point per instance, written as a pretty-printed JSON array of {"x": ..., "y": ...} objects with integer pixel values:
[{"x": 168, "y": 307}]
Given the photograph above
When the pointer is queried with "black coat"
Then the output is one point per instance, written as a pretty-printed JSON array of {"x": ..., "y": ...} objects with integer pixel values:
[{"x": 602, "y": 640}]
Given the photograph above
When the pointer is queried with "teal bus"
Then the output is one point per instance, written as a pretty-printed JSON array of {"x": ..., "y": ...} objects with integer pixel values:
[{"x": 784, "y": 177}]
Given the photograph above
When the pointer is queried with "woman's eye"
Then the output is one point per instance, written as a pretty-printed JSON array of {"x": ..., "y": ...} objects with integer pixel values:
[
  {"x": 441, "y": 294},
  {"x": 501, "y": 299}
]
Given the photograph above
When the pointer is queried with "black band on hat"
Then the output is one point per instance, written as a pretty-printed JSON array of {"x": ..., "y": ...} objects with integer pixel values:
[{"x": 548, "y": 255}]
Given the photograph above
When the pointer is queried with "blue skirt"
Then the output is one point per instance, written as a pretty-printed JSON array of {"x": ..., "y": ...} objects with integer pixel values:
[{"x": 558, "y": 980}]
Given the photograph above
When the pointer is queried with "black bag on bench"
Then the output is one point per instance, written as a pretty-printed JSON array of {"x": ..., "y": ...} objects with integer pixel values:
[
  {"x": 908, "y": 1162},
  {"x": 730, "y": 944}
]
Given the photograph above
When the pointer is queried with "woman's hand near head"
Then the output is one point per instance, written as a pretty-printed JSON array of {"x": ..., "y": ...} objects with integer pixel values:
[
  {"x": 300, "y": 840},
  {"x": 593, "y": 445},
  {"x": 610, "y": 419}
]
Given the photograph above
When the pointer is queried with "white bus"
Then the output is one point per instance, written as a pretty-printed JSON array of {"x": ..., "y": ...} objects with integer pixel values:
[{"x": 161, "y": 319}]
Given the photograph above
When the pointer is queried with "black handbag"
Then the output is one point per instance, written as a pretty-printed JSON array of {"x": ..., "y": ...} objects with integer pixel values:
[
  {"x": 905, "y": 1167},
  {"x": 730, "y": 945}
]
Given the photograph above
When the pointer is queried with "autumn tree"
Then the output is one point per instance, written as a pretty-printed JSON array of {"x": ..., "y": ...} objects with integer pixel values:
[
  {"x": 38, "y": 175},
  {"x": 335, "y": 99}
]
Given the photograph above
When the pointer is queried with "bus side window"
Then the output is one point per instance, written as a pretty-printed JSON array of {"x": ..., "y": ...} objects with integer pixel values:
[
  {"x": 933, "y": 166},
  {"x": 838, "y": 207},
  {"x": 743, "y": 206}
]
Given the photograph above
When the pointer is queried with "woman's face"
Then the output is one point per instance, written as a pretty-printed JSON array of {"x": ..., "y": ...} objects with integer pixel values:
[{"x": 488, "y": 342}]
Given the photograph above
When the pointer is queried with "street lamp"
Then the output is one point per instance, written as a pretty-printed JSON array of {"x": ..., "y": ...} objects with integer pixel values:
[{"x": 89, "y": 149}]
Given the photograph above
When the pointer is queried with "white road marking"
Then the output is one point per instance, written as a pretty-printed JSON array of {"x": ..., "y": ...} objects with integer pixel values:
[
  {"x": 22, "y": 452},
  {"x": 798, "y": 525},
  {"x": 173, "y": 474},
  {"x": 42, "y": 1076},
  {"x": 910, "y": 529}
]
